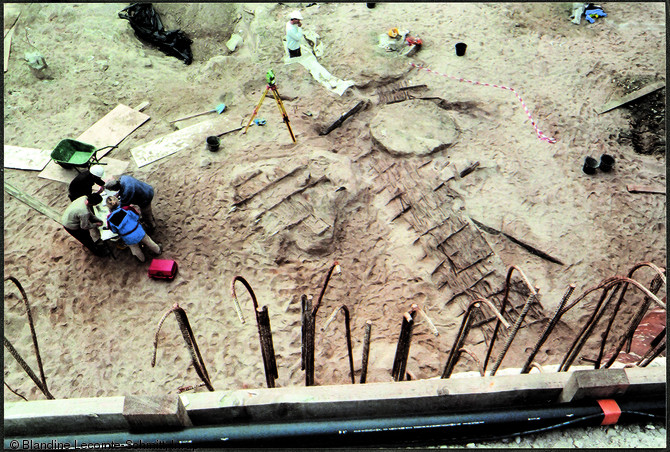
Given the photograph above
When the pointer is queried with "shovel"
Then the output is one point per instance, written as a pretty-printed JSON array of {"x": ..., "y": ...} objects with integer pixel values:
[
  {"x": 219, "y": 109},
  {"x": 258, "y": 122}
]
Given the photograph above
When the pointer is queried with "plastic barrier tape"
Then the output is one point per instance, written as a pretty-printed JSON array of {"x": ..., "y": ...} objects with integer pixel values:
[{"x": 540, "y": 135}]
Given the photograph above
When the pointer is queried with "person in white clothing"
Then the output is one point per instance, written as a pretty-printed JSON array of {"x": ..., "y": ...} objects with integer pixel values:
[{"x": 294, "y": 34}]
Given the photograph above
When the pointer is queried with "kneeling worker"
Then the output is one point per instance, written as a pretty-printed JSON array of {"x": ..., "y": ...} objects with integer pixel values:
[
  {"x": 125, "y": 222},
  {"x": 82, "y": 224}
]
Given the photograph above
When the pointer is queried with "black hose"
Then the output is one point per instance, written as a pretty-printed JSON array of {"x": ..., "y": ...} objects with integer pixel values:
[{"x": 430, "y": 429}]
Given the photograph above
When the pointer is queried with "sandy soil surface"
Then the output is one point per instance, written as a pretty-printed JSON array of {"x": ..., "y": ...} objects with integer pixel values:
[{"x": 280, "y": 213}]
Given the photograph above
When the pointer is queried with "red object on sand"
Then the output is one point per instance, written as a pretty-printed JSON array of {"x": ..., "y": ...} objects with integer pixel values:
[
  {"x": 413, "y": 41},
  {"x": 163, "y": 269}
]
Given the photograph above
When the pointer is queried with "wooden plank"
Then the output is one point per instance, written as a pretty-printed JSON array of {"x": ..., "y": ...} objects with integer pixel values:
[
  {"x": 343, "y": 117},
  {"x": 166, "y": 145},
  {"x": 8, "y": 45},
  {"x": 658, "y": 189},
  {"x": 18, "y": 157},
  {"x": 32, "y": 202},
  {"x": 631, "y": 97},
  {"x": 112, "y": 128},
  {"x": 155, "y": 413}
]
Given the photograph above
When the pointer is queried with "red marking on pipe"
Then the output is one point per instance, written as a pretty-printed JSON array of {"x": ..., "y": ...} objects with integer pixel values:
[{"x": 611, "y": 411}]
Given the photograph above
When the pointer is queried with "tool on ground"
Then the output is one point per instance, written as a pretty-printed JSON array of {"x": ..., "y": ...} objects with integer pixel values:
[
  {"x": 219, "y": 109},
  {"x": 272, "y": 86}
]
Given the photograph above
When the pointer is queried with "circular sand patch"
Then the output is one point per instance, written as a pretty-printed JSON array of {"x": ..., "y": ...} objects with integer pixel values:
[{"x": 413, "y": 127}]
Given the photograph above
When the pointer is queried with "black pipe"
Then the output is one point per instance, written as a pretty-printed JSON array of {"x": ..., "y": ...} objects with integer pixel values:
[{"x": 428, "y": 429}]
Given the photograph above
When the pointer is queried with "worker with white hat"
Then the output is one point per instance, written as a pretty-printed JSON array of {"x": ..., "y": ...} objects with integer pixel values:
[
  {"x": 82, "y": 184},
  {"x": 294, "y": 34}
]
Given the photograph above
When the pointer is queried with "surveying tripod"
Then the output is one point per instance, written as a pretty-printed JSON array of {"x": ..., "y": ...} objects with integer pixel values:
[{"x": 270, "y": 77}]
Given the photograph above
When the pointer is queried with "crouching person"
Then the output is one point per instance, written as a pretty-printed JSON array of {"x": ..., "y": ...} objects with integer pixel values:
[
  {"x": 80, "y": 222},
  {"x": 125, "y": 222}
]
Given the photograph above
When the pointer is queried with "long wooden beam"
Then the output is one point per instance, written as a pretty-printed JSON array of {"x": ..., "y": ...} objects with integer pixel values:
[{"x": 32, "y": 202}]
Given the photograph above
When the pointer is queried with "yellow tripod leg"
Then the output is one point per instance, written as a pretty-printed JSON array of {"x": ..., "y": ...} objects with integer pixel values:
[
  {"x": 256, "y": 109},
  {"x": 282, "y": 110}
]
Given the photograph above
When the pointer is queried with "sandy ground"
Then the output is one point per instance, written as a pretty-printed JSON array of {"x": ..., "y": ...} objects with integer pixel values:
[{"x": 96, "y": 318}]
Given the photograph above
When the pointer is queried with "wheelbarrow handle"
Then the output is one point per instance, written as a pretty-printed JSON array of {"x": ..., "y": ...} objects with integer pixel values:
[
  {"x": 114, "y": 146},
  {"x": 95, "y": 154}
]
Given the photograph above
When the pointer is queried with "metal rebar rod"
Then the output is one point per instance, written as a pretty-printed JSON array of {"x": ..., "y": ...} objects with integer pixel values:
[
  {"x": 158, "y": 330},
  {"x": 407, "y": 343},
  {"x": 311, "y": 331},
  {"x": 460, "y": 339},
  {"x": 609, "y": 283},
  {"x": 267, "y": 349},
  {"x": 400, "y": 347},
  {"x": 652, "y": 354},
  {"x": 27, "y": 368},
  {"x": 309, "y": 349},
  {"x": 306, "y": 306},
  {"x": 366, "y": 351},
  {"x": 654, "y": 287},
  {"x": 234, "y": 295},
  {"x": 578, "y": 342},
  {"x": 333, "y": 268},
  {"x": 550, "y": 327},
  {"x": 347, "y": 324},
  {"x": 634, "y": 323},
  {"x": 512, "y": 333},
  {"x": 480, "y": 368},
  {"x": 505, "y": 302},
  {"x": 10, "y": 388},
  {"x": 270, "y": 342},
  {"x": 32, "y": 332},
  {"x": 192, "y": 345}
]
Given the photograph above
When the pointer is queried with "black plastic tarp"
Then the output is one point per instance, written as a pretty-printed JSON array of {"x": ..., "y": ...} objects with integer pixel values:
[{"x": 148, "y": 27}]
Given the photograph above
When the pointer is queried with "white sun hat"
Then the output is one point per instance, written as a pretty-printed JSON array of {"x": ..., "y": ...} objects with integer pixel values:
[
  {"x": 295, "y": 15},
  {"x": 97, "y": 170}
]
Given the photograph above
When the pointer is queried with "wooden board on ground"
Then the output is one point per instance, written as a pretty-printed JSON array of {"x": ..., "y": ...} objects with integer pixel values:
[
  {"x": 113, "y": 128},
  {"x": 631, "y": 97},
  {"x": 32, "y": 202},
  {"x": 658, "y": 189},
  {"x": 55, "y": 172},
  {"x": 108, "y": 131},
  {"x": 26, "y": 158},
  {"x": 188, "y": 138}
]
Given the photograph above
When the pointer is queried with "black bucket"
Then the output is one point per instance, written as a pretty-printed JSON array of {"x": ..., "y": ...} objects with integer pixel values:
[
  {"x": 370, "y": 5},
  {"x": 590, "y": 165},
  {"x": 213, "y": 143},
  {"x": 460, "y": 48},
  {"x": 606, "y": 163}
]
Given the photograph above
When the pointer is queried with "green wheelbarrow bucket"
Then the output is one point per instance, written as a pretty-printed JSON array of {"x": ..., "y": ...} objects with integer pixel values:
[{"x": 75, "y": 154}]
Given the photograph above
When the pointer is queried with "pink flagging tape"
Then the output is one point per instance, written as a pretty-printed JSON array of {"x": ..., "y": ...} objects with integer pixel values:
[{"x": 540, "y": 135}]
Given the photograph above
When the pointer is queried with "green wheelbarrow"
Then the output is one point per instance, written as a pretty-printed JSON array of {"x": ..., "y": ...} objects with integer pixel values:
[{"x": 75, "y": 154}]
